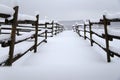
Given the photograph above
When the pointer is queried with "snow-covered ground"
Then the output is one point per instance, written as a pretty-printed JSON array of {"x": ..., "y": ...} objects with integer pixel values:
[{"x": 65, "y": 57}]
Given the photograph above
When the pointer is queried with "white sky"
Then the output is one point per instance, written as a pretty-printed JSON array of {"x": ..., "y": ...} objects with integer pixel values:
[{"x": 67, "y": 9}]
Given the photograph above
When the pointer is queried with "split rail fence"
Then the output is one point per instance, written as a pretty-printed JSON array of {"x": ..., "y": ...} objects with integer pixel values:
[
  {"x": 89, "y": 33},
  {"x": 22, "y": 30}
]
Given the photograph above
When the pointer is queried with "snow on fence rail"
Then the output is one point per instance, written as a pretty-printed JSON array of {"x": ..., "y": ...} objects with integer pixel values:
[
  {"x": 51, "y": 27},
  {"x": 105, "y": 34},
  {"x": 6, "y": 11}
]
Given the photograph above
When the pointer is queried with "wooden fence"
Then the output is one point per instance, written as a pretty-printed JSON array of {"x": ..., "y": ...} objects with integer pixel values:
[
  {"x": 16, "y": 30},
  {"x": 87, "y": 29},
  {"x": 13, "y": 39},
  {"x": 52, "y": 28}
]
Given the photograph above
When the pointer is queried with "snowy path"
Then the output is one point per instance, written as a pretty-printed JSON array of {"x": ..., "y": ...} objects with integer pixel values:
[
  {"x": 65, "y": 57},
  {"x": 64, "y": 49}
]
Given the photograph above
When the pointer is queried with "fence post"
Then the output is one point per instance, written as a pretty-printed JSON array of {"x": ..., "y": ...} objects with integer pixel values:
[
  {"x": 36, "y": 34},
  {"x": 46, "y": 36},
  {"x": 106, "y": 38},
  {"x": 77, "y": 29},
  {"x": 56, "y": 29},
  {"x": 46, "y": 32},
  {"x": 90, "y": 33},
  {"x": 84, "y": 31},
  {"x": 13, "y": 36},
  {"x": 52, "y": 27}
]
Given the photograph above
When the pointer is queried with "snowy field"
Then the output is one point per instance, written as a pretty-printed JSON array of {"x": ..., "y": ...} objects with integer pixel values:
[{"x": 65, "y": 57}]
